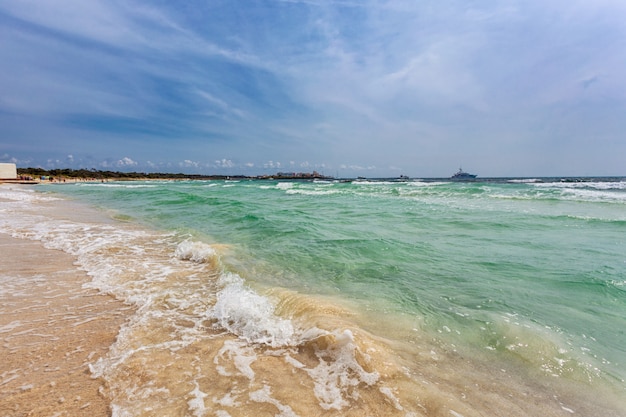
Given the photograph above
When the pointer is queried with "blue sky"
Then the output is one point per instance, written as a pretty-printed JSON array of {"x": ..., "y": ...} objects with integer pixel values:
[{"x": 348, "y": 88}]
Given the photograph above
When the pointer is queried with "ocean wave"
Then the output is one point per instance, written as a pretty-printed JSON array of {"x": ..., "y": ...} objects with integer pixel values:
[
  {"x": 374, "y": 182},
  {"x": 199, "y": 252},
  {"x": 24, "y": 195},
  {"x": 113, "y": 185},
  {"x": 525, "y": 181},
  {"x": 595, "y": 195},
  {"x": 311, "y": 192},
  {"x": 426, "y": 183},
  {"x": 598, "y": 185},
  {"x": 250, "y": 316}
]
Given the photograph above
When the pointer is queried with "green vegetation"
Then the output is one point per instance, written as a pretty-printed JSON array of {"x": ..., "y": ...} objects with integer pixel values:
[
  {"x": 112, "y": 175},
  {"x": 122, "y": 176}
]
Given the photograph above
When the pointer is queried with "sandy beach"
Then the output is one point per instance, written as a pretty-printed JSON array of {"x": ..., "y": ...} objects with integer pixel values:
[
  {"x": 50, "y": 330},
  {"x": 185, "y": 334}
]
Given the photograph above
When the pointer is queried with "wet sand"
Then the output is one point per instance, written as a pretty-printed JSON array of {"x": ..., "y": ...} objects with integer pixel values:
[{"x": 51, "y": 329}]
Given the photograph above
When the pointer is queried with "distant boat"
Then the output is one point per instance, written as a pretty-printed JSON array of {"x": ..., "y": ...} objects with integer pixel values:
[{"x": 462, "y": 175}]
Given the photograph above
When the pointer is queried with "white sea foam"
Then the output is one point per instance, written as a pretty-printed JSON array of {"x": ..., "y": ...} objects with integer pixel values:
[
  {"x": 114, "y": 185},
  {"x": 249, "y": 315},
  {"x": 24, "y": 195},
  {"x": 610, "y": 192},
  {"x": 199, "y": 252},
  {"x": 312, "y": 192},
  {"x": 339, "y": 373},
  {"x": 375, "y": 183},
  {"x": 525, "y": 180},
  {"x": 196, "y": 403},
  {"x": 595, "y": 195},
  {"x": 426, "y": 184},
  {"x": 252, "y": 318},
  {"x": 388, "y": 392},
  {"x": 598, "y": 185},
  {"x": 227, "y": 400},
  {"x": 240, "y": 354},
  {"x": 264, "y": 395}
]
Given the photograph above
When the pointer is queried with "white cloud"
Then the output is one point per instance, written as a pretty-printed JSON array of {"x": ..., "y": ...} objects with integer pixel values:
[
  {"x": 357, "y": 167},
  {"x": 189, "y": 163},
  {"x": 8, "y": 158},
  {"x": 224, "y": 163},
  {"x": 126, "y": 162},
  {"x": 222, "y": 105},
  {"x": 272, "y": 165},
  {"x": 438, "y": 73}
]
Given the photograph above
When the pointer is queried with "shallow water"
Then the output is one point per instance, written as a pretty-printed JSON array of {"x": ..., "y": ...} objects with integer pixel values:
[{"x": 359, "y": 298}]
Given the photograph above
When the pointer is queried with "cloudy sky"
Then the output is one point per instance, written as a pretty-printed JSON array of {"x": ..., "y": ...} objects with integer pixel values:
[{"x": 348, "y": 88}]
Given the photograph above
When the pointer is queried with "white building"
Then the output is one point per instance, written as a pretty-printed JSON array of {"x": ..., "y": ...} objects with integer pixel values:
[{"x": 8, "y": 171}]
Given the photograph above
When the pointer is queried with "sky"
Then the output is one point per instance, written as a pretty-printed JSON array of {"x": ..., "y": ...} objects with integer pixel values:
[{"x": 347, "y": 88}]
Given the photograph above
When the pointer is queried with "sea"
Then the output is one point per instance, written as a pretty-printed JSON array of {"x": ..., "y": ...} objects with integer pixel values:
[{"x": 495, "y": 297}]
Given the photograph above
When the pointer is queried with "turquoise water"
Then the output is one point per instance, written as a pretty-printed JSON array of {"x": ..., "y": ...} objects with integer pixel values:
[{"x": 529, "y": 275}]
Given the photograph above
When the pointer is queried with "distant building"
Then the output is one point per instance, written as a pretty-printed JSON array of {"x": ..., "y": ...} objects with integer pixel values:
[{"x": 8, "y": 172}]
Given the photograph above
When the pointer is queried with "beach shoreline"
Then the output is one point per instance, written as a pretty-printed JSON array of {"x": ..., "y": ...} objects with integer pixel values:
[
  {"x": 61, "y": 333},
  {"x": 51, "y": 329}
]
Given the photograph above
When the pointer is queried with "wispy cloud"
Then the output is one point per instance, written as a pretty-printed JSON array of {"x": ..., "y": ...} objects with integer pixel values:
[{"x": 398, "y": 85}]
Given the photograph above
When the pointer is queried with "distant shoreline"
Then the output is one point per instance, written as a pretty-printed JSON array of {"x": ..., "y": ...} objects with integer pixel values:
[{"x": 38, "y": 176}]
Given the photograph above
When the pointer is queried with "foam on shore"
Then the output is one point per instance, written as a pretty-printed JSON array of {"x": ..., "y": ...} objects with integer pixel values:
[{"x": 51, "y": 328}]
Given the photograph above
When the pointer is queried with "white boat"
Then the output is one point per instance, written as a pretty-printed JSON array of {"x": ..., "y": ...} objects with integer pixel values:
[{"x": 462, "y": 175}]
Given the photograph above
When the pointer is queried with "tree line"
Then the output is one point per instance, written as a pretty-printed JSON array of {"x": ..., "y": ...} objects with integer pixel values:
[{"x": 114, "y": 175}]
